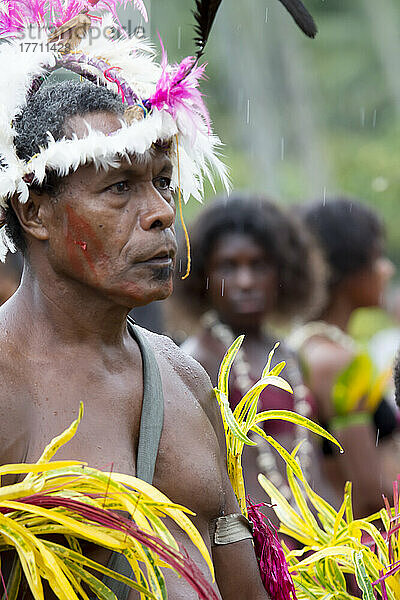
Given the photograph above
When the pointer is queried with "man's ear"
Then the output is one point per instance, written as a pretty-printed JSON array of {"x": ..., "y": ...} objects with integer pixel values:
[{"x": 32, "y": 214}]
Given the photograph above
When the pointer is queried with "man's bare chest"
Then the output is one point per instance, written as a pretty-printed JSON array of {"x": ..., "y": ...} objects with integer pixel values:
[{"x": 44, "y": 404}]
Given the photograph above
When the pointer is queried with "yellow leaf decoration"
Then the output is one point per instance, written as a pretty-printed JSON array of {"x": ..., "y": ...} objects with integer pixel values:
[
  {"x": 335, "y": 546},
  {"x": 359, "y": 382},
  {"x": 333, "y": 541},
  {"x": 244, "y": 419},
  {"x": 80, "y": 503}
]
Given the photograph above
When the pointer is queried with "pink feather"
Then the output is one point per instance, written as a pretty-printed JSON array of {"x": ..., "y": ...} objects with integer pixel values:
[
  {"x": 10, "y": 24},
  {"x": 13, "y": 18},
  {"x": 18, "y": 14},
  {"x": 178, "y": 88}
]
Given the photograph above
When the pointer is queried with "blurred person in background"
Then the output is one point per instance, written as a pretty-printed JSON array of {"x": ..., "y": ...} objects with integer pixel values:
[
  {"x": 252, "y": 265},
  {"x": 150, "y": 316},
  {"x": 384, "y": 345},
  {"x": 349, "y": 402},
  {"x": 10, "y": 275}
]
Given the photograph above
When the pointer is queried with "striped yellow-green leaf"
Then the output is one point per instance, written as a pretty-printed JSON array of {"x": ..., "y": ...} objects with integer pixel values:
[
  {"x": 287, "y": 457},
  {"x": 72, "y": 556},
  {"x": 61, "y": 439},
  {"x": 178, "y": 516},
  {"x": 296, "y": 419},
  {"x": 230, "y": 419},
  {"x": 227, "y": 361},
  {"x": 302, "y": 502},
  {"x": 267, "y": 367},
  {"x": 284, "y": 510},
  {"x": 362, "y": 578},
  {"x": 19, "y": 468}
]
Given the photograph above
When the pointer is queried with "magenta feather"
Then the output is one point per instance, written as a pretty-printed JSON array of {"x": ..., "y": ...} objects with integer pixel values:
[
  {"x": 178, "y": 88},
  {"x": 17, "y": 14},
  {"x": 391, "y": 538},
  {"x": 271, "y": 558},
  {"x": 12, "y": 19}
]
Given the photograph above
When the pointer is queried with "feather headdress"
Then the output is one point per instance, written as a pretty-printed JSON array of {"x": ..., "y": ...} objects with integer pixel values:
[{"x": 162, "y": 101}]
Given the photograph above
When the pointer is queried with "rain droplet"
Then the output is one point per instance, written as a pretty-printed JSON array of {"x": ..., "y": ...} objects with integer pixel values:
[
  {"x": 374, "y": 118},
  {"x": 248, "y": 111},
  {"x": 207, "y": 283},
  {"x": 324, "y": 197},
  {"x": 222, "y": 287},
  {"x": 179, "y": 37},
  {"x": 282, "y": 148},
  {"x": 266, "y": 14}
]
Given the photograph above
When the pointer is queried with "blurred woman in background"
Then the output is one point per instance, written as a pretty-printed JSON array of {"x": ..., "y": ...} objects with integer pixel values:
[
  {"x": 253, "y": 265},
  {"x": 351, "y": 237}
]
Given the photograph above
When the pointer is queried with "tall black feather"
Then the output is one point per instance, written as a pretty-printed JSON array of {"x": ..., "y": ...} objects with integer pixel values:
[
  {"x": 204, "y": 15},
  {"x": 301, "y": 16}
]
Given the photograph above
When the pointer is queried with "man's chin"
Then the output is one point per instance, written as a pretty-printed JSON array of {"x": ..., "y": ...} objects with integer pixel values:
[{"x": 140, "y": 295}]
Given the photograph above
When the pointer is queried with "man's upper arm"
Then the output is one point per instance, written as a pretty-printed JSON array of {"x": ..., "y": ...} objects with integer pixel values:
[{"x": 236, "y": 567}]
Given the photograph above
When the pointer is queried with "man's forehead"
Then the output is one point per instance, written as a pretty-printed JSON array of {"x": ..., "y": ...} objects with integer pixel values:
[
  {"x": 136, "y": 164},
  {"x": 109, "y": 123},
  {"x": 103, "y": 121}
]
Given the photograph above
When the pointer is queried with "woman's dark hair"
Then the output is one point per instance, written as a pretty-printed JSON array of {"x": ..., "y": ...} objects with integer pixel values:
[
  {"x": 286, "y": 243},
  {"x": 348, "y": 232},
  {"x": 47, "y": 112}
]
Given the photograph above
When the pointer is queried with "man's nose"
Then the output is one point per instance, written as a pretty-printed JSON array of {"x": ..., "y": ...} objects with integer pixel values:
[{"x": 158, "y": 212}]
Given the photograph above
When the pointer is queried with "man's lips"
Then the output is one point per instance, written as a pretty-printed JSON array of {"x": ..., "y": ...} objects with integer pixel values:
[{"x": 164, "y": 258}]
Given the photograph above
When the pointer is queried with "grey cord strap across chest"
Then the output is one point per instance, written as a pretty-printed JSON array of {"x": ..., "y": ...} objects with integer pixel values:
[{"x": 151, "y": 424}]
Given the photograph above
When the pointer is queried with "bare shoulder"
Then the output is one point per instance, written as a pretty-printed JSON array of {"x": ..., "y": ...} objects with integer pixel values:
[
  {"x": 189, "y": 371},
  {"x": 194, "y": 347},
  {"x": 187, "y": 367},
  {"x": 324, "y": 359},
  {"x": 326, "y": 356}
]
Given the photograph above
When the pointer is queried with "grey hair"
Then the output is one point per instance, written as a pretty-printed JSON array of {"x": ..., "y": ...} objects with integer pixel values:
[{"x": 48, "y": 111}]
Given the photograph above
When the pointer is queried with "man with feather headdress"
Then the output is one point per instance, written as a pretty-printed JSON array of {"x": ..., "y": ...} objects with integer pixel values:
[{"x": 86, "y": 179}]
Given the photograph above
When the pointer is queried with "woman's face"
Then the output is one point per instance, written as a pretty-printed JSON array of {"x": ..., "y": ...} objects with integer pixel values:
[
  {"x": 242, "y": 282},
  {"x": 368, "y": 285}
]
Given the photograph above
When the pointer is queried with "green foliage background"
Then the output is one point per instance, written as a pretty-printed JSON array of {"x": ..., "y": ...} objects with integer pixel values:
[{"x": 302, "y": 118}]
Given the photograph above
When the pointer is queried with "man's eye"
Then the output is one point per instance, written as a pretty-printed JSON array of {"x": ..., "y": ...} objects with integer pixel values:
[
  {"x": 163, "y": 183},
  {"x": 119, "y": 188}
]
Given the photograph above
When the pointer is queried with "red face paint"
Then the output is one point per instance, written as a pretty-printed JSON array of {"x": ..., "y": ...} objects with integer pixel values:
[
  {"x": 79, "y": 229},
  {"x": 83, "y": 245}
]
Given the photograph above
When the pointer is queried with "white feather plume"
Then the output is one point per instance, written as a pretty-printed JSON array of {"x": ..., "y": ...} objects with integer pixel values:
[{"x": 195, "y": 145}]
